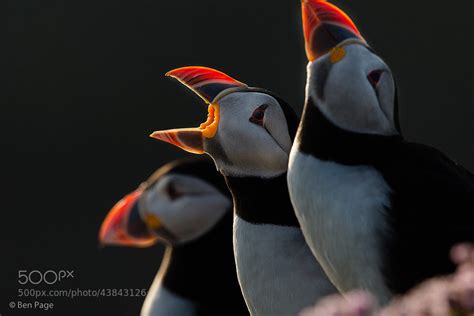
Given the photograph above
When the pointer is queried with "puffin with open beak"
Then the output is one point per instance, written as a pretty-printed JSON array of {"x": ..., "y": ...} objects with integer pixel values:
[
  {"x": 378, "y": 212},
  {"x": 186, "y": 205},
  {"x": 248, "y": 134}
]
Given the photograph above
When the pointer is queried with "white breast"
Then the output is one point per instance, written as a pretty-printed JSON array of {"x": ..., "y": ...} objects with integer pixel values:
[
  {"x": 341, "y": 210},
  {"x": 277, "y": 272}
]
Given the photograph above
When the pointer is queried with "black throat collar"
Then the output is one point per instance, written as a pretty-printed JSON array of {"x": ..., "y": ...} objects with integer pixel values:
[{"x": 262, "y": 200}]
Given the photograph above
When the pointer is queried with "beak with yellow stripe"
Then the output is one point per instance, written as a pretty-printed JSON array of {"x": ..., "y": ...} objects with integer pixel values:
[
  {"x": 211, "y": 85},
  {"x": 123, "y": 225},
  {"x": 325, "y": 28}
]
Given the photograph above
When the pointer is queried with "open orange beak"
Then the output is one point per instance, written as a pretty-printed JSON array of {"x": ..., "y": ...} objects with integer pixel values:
[
  {"x": 123, "y": 225},
  {"x": 325, "y": 26},
  {"x": 192, "y": 139},
  {"x": 210, "y": 85}
]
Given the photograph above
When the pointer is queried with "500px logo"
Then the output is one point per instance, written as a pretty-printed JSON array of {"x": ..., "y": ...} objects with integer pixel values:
[{"x": 48, "y": 277}]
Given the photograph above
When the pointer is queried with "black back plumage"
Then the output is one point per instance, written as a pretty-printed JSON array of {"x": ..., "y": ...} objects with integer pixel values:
[
  {"x": 432, "y": 197},
  {"x": 203, "y": 270},
  {"x": 432, "y": 210}
]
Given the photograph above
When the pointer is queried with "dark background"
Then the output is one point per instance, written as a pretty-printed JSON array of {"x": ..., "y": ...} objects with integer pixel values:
[{"x": 82, "y": 87}]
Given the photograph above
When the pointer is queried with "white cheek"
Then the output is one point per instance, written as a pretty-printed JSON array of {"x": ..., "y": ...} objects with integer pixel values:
[
  {"x": 249, "y": 148},
  {"x": 277, "y": 126},
  {"x": 253, "y": 152},
  {"x": 387, "y": 100},
  {"x": 350, "y": 102},
  {"x": 192, "y": 217},
  {"x": 155, "y": 202}
]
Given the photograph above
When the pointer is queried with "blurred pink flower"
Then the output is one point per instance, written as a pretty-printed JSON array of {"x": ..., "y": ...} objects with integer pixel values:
[{"x": 443, "y": 296}]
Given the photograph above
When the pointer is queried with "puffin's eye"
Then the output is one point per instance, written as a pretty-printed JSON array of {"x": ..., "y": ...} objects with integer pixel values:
[
  {"x": 374, "y": 77},
  {"x": 258, "y": 115},
  {"x": 173, "y": 193}
]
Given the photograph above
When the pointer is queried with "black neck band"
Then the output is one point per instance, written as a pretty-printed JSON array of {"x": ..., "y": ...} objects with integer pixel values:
[{"x": 262, "y": 201}]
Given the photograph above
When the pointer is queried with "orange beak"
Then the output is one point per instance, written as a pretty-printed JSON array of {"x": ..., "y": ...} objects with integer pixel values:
[
  {"x": 211, "y": 85},
  {"x": 192, "y": 139},
  {"x": 188, "y": 139},
  {"x": 123, "y": 225},
  {"x": 324, "y": 27}
]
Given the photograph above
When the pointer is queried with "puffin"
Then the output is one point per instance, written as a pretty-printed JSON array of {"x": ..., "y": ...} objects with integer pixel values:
[
  {"x": 379, "y": 213},
  {"x": 185, "y": 205},
  {"x": 248, "y": 133}
]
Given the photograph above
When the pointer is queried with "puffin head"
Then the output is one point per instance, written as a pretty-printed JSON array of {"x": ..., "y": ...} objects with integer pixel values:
[
  {"x": 248, "y": 131},
  {"x": 181, "y": 202},
  {"x": 352, "y": 86}
]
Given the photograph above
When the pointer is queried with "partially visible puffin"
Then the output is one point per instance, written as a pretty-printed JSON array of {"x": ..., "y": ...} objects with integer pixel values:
[
  {"x": 186, "y": 205},
  {"x": 249, "y": 133},
  {"x": 378, "y": 212}
]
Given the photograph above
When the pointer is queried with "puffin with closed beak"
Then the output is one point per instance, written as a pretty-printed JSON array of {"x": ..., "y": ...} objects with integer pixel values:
[
  {"x": 379, "y": 213},
  {"x": 249, "y": 133},
  {"x": 186, "y": 205}
]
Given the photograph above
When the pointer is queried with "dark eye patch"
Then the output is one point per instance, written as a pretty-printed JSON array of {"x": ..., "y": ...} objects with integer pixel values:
[
  {"x": 258, "y": 115},
  {"x": 172, "y": 191},
  {"x": 374, "y": 77}
]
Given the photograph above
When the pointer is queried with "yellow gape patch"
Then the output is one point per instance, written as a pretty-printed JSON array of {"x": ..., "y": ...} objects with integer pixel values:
[
  {"x": 337, "y": 54},
  {"x": 209, "y": 127},
  {"x": 152, "y": 221}
]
